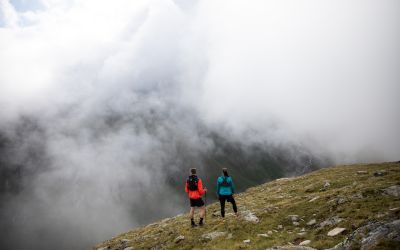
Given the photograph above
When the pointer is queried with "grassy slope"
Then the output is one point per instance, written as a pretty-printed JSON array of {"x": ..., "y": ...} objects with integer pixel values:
[{"x": 272, "y": 203}]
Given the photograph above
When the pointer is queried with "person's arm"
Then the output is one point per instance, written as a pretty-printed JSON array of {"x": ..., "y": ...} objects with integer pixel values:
[
  {"x": 186, "y": 187},
  {"x": 218, "y": 186},
  {"x": 232, "y": 186},
  {"x": 200, "y": 187}
]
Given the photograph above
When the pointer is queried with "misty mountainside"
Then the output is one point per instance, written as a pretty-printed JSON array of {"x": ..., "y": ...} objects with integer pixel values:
[
  {"x": 341, "y": 207},
  {"x": 58, "y": 180}
]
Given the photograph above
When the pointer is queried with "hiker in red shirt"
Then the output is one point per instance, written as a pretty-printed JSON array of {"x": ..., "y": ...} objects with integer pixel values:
[{"x": 194, "y": 188}]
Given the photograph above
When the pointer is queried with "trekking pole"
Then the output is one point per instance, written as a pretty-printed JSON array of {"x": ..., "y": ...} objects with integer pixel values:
[{"x": 205, "y": 205}]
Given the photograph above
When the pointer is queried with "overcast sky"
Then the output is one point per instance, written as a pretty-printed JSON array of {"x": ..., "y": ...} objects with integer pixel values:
[
  {"x": 326, "y": 70},
  {"x": 316, "y": 73}
]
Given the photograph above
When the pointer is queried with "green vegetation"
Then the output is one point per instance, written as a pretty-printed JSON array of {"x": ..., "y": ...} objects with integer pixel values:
[{"x": 350, "y": 197}]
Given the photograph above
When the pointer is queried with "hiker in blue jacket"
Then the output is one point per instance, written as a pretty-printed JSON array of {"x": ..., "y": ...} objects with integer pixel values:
[{"x": 225, "y": 191}]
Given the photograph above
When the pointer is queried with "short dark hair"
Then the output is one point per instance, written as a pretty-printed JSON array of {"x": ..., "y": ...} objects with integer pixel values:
[
  {"x": 193, "y": 170},
  {"x": 225, "y": 171}
]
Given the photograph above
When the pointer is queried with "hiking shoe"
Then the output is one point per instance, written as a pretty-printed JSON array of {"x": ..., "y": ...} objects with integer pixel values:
[{"x": 192, "y": 223}]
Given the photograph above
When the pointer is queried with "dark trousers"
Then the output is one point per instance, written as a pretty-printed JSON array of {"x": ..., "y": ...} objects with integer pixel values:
[{"x": 229, "y": 198}]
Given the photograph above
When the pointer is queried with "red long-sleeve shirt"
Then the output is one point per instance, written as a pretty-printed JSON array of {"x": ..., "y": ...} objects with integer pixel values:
[{"x": 197, "y": 193}]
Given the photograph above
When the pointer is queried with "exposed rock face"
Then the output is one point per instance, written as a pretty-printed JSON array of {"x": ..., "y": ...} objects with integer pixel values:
[
  {"x": 392, "y": 191},
  {"x": 370, "y": 235},
  {"x": 291, "y": 248}
]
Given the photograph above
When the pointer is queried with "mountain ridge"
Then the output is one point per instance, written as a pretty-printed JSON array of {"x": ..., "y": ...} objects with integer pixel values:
[{"x": 350, "y": 202}]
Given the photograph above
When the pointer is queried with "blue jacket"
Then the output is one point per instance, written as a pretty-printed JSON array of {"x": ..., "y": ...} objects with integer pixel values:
[{"x": 225, "y": 190}]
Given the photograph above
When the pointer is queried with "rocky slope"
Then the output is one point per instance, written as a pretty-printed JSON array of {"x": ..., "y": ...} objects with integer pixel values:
[{"x": 342, "y": 207}]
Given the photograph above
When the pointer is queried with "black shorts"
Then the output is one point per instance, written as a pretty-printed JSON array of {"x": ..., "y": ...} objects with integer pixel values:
[{"x": 196, "y": 202}]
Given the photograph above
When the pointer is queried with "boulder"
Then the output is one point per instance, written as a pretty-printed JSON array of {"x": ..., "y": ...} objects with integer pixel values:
[
  {"x": 362, "y": 172},
  {"x": 392, "y": 191},
  {"x": 263, "y": 235},
  {"x": 212, "y": 235},
  {"x": 179, "y": 238},
  {"x": 341, "y": 200},
  {"x": 305, "y": 242},
  {"x": 311, "y": 222},
  {"x": 124, "y": 241},
  {"x": 128, "y": 248},
  {"x": 380, "y": 173},
  {"x": 294, "y": 217},
  {"x": 331, "y": 221},
  {"x": 250, "y": 217},
  {"x": 314, "y": 199},
  {"x": 371, "y": 236},
  {"x": 336, "y": 231},
  {"x": 310, "y": 188},
  {"x": 357, "y": 195},
  {"x": 246, "y": 241}
]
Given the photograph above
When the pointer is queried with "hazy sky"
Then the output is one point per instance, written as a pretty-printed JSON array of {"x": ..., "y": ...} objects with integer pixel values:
[
  {"x": 326, "y": 70},
  {"x": 112, "y": 84}
]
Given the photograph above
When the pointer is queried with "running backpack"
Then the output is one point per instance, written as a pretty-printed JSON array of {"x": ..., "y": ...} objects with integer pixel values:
[
  {"x": 225, "y": 182},
  {"x": 193, "y": 183}
]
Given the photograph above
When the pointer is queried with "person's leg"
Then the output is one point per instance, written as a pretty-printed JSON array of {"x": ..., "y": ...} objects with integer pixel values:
[
  {"x": 222, "y": 203},
  {"x": 202, "y": 213},
  {"x": 233, "y": 204},
  {"x": 191, "y": 215}
]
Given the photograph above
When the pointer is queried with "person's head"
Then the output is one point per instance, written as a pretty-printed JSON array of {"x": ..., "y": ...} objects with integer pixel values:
[
  {"x": 225, "y": 171},
  {"x": 193, "y": 171}
]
